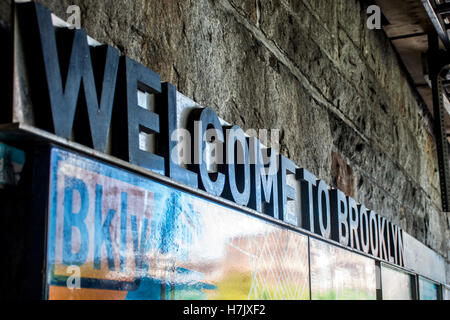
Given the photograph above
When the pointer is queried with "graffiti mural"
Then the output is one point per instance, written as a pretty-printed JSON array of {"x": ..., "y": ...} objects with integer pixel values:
[{"x": 133, "y": 238}]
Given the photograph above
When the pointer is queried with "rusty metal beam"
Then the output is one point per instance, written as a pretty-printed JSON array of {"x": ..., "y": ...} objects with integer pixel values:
[
  {"x": 438, "y": 63},
  {"x": 437, "y": 21}
]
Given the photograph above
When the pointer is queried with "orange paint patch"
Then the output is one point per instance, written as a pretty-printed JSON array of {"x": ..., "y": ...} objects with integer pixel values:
[{"x": 64, "y": 293}]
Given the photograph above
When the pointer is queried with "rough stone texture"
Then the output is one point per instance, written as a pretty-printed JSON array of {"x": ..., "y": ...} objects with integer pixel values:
[
  {"x": 308, "y": 68},
  {"x": 343, "y": 177}
]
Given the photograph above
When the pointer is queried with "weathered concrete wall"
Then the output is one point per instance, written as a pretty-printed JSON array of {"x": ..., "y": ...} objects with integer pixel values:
[{"x": 309, "y": 68}]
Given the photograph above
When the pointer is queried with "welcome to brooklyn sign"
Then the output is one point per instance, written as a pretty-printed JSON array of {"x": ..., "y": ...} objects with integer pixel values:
[{"x": 89, "y": 94}]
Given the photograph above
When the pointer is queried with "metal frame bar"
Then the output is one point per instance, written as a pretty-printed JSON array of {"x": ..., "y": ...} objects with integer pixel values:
[
  {"x": 436, "y": 20},
  {"x": 414, "y": 286},
  {"x": 378, "y": 280},
  {"x": 437, "y": 64},
  {"x": 417, "y": 287},
  {"x": 37, "y": 225},
  {"x": 309, "y": 269}
]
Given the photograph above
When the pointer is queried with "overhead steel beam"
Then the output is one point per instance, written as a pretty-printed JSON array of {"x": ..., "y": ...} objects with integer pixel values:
[
  {"x": 439, "y": 66},
  {"x": 438, "y": 23}
]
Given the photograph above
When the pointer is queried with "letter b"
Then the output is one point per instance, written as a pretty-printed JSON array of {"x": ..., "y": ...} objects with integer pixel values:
[
  {"x": 75, "y": 220},
  {"x": 339, "y": 213}
]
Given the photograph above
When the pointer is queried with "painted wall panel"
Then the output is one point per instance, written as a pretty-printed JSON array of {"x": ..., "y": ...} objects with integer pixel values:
[
  {"x": 338, "y": 274},
  {"x": 396, "y": 285},
  {"x": 428, "y": 290},
  {"x": 117, "y": 235},
  {"x": 421, "y": 259}
]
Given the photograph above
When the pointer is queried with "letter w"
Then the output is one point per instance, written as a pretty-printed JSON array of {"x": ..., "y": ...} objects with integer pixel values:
[{"x": 78, "y": 70}]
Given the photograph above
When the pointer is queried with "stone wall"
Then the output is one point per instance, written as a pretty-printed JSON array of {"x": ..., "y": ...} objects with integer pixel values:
[{"x": 309, "y": 68}]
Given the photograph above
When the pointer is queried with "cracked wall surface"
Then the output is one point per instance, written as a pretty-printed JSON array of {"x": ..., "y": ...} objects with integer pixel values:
[{"x": 309, "y": 68}]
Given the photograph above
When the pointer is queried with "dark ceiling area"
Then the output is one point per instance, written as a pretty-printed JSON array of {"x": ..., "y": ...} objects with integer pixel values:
[{"x": 408, "y": 23}]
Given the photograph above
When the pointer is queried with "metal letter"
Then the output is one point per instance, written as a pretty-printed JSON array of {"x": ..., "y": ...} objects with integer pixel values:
[
  {"x": 382, "y": 237},
  {"x": 321, "y": 200},
  {"x": 265, "y": 199},
  {"x": 354, "y": 223},
  {"x": 401, "y": 249},
  {"x": 394, "y": 241},
  {"x": 211, "y": 183},
  {"x": 285, "y": 192},
  {"x": 339, "y": 215},
  {"x": 373, "y": 231},
  {"x": 364, "y": 232},
  {"x": 131, "y": 119},
  {"x": 389, "y": 244},
  {"x": 307, "y": 182},
  {"x": 167, "y": 102},
  {"x": 237, "y": 170},
  {"x": 54, "y": 102}
]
